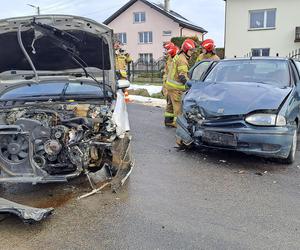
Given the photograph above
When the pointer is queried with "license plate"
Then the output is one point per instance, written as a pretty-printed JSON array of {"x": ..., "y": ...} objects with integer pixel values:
[{"x": 217, "y": 138}]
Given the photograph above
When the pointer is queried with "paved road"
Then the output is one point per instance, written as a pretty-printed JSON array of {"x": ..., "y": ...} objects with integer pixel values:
[{"x": 174, "y": 200}]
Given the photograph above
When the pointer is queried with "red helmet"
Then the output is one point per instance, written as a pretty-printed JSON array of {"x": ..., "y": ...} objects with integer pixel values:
[
  {"x": 208, "y": 44},
  {"x": 173, "y": 51},
  {"x": 168, "y": 45},
  {"x": 187, "y": 45}
]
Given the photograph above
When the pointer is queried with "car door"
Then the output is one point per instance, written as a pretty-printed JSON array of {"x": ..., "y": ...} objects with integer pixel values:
[
  {"x": 296, "y": 98},
  {"x": 200, "y": 70}
]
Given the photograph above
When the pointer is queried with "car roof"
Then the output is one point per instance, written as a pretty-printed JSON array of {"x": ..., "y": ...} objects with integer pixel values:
[{"x": 258, "y": 58}]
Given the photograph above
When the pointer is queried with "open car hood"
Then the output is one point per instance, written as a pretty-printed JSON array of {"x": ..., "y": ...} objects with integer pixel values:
[
  {"x": 92, "y": 43},
  {"x": 227, "y": 99}
]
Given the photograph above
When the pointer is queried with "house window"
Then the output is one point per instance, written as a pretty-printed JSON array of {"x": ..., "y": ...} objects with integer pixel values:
[
  {"x": 122, "y": 37},
  {"x": 139, "y": 17},
  {"x": 167, "y": 33},
  {"x": 260, "y": 52},
  {"x": 145, "y": 37},
  {"x": 262, "y": 19},
  {"x": 146, "y": 57},
  {"x": 297, "y": 37}
]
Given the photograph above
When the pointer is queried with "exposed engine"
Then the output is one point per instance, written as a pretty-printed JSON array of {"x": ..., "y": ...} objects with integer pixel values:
[{"x": 56, "y": 138}]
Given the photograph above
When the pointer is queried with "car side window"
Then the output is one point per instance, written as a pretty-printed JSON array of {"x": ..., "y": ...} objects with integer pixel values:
[
  {"x": 297, "y": 63},
  {"x": 199, "y": 70},
  {"x": 295, "y": 73}
]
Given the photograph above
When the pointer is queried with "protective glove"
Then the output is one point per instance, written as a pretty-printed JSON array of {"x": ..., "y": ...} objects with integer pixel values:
[{"x": 182, "y": 79}]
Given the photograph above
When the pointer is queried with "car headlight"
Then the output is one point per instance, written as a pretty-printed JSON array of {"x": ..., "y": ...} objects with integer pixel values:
[{"x": 266, "y": 120}]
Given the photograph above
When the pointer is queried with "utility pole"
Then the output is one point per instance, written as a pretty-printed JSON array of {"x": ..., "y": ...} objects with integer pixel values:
[{"x": 35, "y": 7}]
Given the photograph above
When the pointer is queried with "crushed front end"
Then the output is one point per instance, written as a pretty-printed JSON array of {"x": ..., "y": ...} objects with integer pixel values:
[
  {"x": 53, "y": 142},
  {"x": 233, "y": 133}
]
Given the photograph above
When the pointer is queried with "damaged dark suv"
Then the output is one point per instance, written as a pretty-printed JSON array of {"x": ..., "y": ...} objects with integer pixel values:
[
  {"x": 249, "y": 105},
  {"x": 62, "y": 112}
]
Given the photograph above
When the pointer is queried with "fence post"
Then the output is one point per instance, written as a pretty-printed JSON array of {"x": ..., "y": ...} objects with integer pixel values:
[
  {"x": 152, "y": 75},
  {"x": 133, "y": 71}
]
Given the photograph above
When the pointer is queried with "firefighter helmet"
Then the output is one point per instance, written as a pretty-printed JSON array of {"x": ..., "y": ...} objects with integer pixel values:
[
  {"x": 187, "y": 45},
  {"x": 173, "y": 51},
  {"x": 168, "y": 45},
  {"x": 208, "y": 45}
]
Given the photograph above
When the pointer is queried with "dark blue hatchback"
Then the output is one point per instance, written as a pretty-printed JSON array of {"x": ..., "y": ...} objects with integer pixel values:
[{"x": 249, "y": 105}]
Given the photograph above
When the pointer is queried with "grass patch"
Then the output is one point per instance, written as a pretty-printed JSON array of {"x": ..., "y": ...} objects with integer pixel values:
[
  {"x": 140, "y": 92},
  {"x": 158, "y": 95},
  {"x": 148, "y": 83}
]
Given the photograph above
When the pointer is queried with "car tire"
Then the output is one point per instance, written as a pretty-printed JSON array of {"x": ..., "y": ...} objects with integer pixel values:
[{"x": 291, "y": 157}]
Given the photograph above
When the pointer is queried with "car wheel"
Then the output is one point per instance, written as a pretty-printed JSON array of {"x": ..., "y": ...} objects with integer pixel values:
[{"x": 290, "y": 159}]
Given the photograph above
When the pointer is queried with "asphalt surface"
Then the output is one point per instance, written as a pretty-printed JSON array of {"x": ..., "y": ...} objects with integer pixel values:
[{"x": 174, "y": 200}]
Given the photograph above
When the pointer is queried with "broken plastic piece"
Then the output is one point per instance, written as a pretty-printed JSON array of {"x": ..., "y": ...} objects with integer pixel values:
[{"x": 26, "y": 213}]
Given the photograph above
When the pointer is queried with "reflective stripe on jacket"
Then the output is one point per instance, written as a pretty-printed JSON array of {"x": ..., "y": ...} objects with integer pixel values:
[
  {"x": 179, "y": 66},
  {"x": 122, "y": 61}
]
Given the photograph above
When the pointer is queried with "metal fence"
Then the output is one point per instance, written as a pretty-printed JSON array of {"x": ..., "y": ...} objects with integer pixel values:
[
  {"x": 146, "y": 70},
  {"x": 295, "y": 54}
]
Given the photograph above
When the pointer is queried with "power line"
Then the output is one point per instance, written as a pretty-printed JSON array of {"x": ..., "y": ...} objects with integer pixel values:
[
  {"x": 62, "y": 4},
  {"x": 100, "y": 11}
]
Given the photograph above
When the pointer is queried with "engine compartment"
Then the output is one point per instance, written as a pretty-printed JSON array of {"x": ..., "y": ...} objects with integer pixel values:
[{"x": 56, "y": 139}]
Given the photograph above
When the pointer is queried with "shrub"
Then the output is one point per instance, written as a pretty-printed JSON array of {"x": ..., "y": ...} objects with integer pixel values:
[{"x": 141, "y": 92}]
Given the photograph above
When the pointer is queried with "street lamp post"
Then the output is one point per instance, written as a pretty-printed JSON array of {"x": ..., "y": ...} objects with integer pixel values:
[{"x": 36, "y": 7}]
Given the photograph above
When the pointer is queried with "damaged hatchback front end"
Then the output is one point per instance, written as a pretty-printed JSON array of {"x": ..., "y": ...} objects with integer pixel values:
[{"x": 247, "y": 105}]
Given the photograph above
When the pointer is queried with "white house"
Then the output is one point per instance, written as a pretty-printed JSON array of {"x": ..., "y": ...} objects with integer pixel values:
[
  {"x": 262, "y": 27},
  {"x": 143, "y": 26}
]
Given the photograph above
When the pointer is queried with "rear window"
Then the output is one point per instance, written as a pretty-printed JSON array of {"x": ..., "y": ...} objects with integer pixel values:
[{"x": 273, "y": 72}]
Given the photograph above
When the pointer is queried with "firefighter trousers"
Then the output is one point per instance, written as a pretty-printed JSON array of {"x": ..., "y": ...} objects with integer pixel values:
[{"x": 173, "y": 108}]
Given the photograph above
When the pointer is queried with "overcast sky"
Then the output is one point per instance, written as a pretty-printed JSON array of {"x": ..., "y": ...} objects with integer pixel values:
[{"x": 208, "y": 14}]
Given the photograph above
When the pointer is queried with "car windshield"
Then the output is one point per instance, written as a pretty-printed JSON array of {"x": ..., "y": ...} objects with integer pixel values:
[
  {"x": 52, "y": 89},
  {"x": 273, "y": 72}
]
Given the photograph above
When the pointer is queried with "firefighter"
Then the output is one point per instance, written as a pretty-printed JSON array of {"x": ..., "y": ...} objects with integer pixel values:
[
  {"x": 169, "y": 113},
  {"x": 177, "y": 78},
  {"x": 168, "y": 60},
  {"x": 122, "y": 60},
  {"x": 208, "y": 51}
]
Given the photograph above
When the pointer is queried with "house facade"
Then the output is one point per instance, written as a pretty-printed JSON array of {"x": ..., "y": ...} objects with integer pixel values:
[
  {"x": 262, "y": 27},
  {"x": 143, "y": 27}
]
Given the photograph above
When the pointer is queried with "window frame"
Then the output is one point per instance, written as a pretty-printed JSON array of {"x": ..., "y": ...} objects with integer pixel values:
[
  {"x": 143, "y": 55},
  {"x": 297, "y": 34},
  {"x": 165, "y": 33},
  {"x": 148, "y": 37},
  {"x": 121, "y": 36},
  {"x": 265, "y": 11},
  {"x": 139, "y": 13},
  {"x": 261, "y": 51}
]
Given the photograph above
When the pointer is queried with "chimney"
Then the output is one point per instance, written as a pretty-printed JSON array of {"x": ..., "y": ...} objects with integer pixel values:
[{"x": 167, "y": 5}]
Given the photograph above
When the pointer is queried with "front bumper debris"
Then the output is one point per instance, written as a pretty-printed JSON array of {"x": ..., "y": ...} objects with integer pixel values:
[{"x": 26, "y": 213}]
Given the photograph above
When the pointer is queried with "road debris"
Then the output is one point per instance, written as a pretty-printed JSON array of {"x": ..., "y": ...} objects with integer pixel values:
[
  {"x": 94, "y": 191},
  {"x": 223, "y": 161},
  {"x": 26, "y": 213}
]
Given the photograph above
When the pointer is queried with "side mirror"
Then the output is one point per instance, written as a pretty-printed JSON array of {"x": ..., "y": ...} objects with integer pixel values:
[{"x": 123, "y": 84}]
